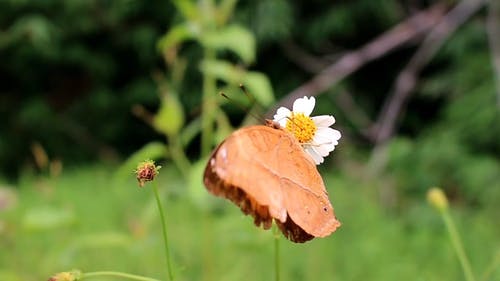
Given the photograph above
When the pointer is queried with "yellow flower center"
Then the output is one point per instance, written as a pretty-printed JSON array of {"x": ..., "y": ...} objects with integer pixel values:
[{"x": 301, "y": 126}]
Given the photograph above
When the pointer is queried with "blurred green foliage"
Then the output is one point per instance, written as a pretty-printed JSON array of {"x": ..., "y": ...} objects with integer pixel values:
[
  {"x": 89, "y": 222},
  {"x": 73, "y": 72},
  {"x": 107, "y": 80}
]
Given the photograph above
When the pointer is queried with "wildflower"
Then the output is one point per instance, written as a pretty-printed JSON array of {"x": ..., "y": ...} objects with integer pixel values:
[
  {"x": 313, "y": 133},
  {"x": 146, "y": 171},
  {"x": 73, "y": 275},
  {"x": 437, "y": 198}
]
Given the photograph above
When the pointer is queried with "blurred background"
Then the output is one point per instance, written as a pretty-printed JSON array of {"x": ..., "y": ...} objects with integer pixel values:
[{"x": 90, "y": 88}]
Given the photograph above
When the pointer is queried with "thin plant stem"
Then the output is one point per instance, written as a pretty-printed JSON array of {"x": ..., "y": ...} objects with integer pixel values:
[
  {"x": 164, "y": 230},
  {"x": 116, "y": 274},
  {"x": 457, "y": 245},
  {"x": 276, "y": 253},
  {"x": 178, "y": 156},
  {"x": 208, "y": 106}
]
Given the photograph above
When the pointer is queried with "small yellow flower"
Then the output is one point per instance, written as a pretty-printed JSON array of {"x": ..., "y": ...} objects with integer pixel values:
[
  {"x": 146, "y": 171},
  {"x": 313, "y": 133},
  {"x": 437, "y": 198},
  {"x": 73, "y": 275}
]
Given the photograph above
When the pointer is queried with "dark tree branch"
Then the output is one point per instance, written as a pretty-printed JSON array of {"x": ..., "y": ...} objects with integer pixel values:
[
  {"x": 352, "y": 61},
  {"x": 302, "y": 58},
  {"x": 407, "y": 79}
]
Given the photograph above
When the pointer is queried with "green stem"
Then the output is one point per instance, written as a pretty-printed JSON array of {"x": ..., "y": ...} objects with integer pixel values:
[
  {"x": 276, "y": 253},
  {"x": 116, "y": 274},
  {"x": 208, "y": 107},
  {"x": 457, "y": 245},
  {"x": 179, "y": 157},
  {"x": 164, "y": 229}
]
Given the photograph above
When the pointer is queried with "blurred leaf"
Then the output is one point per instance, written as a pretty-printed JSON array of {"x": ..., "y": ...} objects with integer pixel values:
[
  {"x": 272, "y": 20},
  {"x": 170, "y": 118},
  {"x": 190, "y": 131},
  {"x": 224, "y": 127},
  {"x": 152, "y": 150},
  {"x": 234, "y": 38},
  {"x": 177, "y": 35},
  {"x": 222, "y": 70},
  {"x": 225, "y": 11},
  {"x": 260, "y": 87},
  {"x": 257, "y": 83},
  {"x": 47, "y": 217},
  {"x": 36, "y": 29},
  {"x": 188, "y": 9}
]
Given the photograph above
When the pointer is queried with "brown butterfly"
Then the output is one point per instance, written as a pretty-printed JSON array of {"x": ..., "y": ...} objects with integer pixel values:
[{"x": 265, "y": 171}]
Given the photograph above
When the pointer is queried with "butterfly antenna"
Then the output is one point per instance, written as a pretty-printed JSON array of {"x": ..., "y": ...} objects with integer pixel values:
[
  {"x": 242, "y": 107},
  {"x": 251, "y": 98}
]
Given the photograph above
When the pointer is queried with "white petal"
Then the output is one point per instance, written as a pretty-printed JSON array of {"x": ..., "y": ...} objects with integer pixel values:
[
  {"x": 328, "y": 133},
  {"x": 324, "y": 145},
  {"x": 322, "y": 150},
  {"x": 282, "y": 115},
  {"x": 325, "y": 140},
  {"x": 304, "y": 105},
  {"x": 323, "y": 120},
  {"x": 315, "y": 156}
]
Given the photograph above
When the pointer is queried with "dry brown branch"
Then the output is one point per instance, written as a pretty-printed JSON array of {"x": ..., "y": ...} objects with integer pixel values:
[
  {"x": 352, "y": 61},
  {"x": 493, "y": 24},
  {"x": 302, "y": 58},
  {"x": 407, "y": 79}
]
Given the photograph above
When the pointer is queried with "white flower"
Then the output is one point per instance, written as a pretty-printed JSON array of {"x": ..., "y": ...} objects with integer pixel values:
[{"x": 313, "y": 133}]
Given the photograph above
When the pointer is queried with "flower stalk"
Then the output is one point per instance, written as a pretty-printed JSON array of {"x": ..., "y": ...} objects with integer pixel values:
[
  {"x": 164, "y": 231},
  {"x": 147, "y": 171},
  {"x": 209, "y": 106},
  {"x": 437, "y": 198},
  {"x": 277, "y": 261},
  {"x": 89, "y": 275}
]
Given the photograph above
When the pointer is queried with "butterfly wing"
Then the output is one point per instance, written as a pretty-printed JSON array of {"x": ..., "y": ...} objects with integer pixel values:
[{"x": 267, "y": 174}]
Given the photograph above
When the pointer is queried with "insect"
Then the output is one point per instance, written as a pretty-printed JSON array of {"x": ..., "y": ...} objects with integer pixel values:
[{"x": 265, "y": 171}]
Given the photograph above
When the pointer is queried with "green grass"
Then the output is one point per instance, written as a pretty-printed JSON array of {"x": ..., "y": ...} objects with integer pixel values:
[{"x": 86, "y": 220}]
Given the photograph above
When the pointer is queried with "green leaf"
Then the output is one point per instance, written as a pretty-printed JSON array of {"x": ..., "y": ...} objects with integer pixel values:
[
  {"x": 225, "y": 11},
  {"x": 190, "y": 131},
  {"x": 259, "y": 86},
  {"x": 170, "y": 118},
  {"x": 177, "y": 35},
  {"x": 224, "y": 127},
  {"x": 257, "y": 83},
  {"x": 222, "y": 70},
  {"x": 188, "y": 9},
  {"x": 234, "y": 38}
]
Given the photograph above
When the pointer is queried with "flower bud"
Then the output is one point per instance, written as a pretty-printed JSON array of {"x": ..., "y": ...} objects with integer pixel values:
[
  {"x": 437, "y": 198},
  {"x": 146, "y": 171},
  {"x": 73, "y": 275}
]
